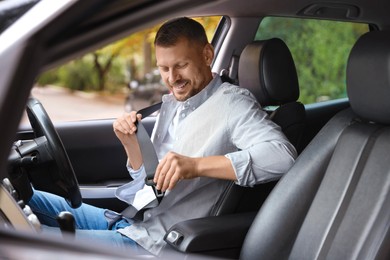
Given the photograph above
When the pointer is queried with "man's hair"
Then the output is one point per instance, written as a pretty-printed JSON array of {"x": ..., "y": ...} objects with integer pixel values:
[{"x": 174, "y": 30}]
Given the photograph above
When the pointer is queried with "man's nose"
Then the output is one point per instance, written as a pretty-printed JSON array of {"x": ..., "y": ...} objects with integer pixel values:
[{"x": 173, "y": 76}]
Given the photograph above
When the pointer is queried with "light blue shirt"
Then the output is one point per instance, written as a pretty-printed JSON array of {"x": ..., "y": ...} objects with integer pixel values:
[{"x": 222, "y": 119}]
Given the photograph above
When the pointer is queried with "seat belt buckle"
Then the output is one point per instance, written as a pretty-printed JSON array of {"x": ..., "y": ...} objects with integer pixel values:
[
  {"x": 149, "y": 182},
  {"x": 159, "y": 194}
]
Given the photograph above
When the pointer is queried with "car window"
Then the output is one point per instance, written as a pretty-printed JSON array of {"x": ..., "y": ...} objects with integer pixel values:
[
  {"x": 320, "y": 50},
  {"x": 102, "y": 84}
]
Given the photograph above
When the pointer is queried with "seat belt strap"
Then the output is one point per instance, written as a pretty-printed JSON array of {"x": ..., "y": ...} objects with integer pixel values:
[{"x": 148, "y": 152}]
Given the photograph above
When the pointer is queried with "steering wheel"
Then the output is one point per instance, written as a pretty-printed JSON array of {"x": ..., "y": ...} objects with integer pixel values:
[{"x": 65, "y": 184}]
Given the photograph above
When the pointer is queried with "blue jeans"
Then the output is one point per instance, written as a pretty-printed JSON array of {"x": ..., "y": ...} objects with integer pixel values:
[{"x": 90, "y": 221}]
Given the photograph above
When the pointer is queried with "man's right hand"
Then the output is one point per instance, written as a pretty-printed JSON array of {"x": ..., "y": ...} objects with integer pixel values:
[{"x": 125, "y": 128}]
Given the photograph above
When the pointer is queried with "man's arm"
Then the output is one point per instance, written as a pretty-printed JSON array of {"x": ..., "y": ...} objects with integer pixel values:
[
  {"x": 174, "y": 167},
  {"x": 125, "y": 128}
]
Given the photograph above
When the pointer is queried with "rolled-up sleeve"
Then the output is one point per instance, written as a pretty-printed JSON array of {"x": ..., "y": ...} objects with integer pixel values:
[
  {"x": 261, "y": 163},
  {"x": 135, "y": 174}
]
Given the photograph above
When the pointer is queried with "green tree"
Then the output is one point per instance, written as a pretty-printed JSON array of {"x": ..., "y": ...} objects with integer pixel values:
[
  {"x": 102, "y": 62},
  {"x": 320, "y": 50}
]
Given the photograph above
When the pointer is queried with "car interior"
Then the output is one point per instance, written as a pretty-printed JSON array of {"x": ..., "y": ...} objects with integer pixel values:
[{"x": 333, "y": 202}]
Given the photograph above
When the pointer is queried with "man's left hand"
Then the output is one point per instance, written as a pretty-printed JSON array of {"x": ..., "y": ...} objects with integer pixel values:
[{"x": 172, "y": 168}]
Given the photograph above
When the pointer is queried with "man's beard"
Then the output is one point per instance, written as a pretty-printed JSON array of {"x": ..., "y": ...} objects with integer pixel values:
[{"x": 182, "y": 98}]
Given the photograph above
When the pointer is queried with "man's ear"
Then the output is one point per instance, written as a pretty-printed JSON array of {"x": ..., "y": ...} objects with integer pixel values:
[{"x": 208, "y": 53}]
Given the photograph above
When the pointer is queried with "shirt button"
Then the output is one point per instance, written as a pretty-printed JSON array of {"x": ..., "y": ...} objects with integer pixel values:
[
  {"x": 149, "y": 215},
  {"x": 183, "y": 115}
]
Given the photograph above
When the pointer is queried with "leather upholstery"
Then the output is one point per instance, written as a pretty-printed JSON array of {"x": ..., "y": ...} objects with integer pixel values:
[
  {"x": 267, "y": 69},
  {"x": 334, "y": 202},
  {"x": 368, "y": 77}
]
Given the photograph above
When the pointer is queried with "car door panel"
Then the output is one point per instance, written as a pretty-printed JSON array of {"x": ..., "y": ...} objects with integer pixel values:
[
  {"x": 95, "y": 152},
  {"x": 98, "y": 159}
]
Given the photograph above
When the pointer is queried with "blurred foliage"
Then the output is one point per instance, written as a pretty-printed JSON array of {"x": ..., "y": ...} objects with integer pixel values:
[
  {"x": 111, "y": 68},
  {"x": 78, "y": 74},
  {"x": 320, "y": 51}
]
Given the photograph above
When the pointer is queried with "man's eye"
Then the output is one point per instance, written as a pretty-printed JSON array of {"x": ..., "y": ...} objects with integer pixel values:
[{"x": 182, "y": 66}]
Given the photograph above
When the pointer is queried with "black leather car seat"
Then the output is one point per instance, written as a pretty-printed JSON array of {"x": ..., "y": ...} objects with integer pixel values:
[
  {"x": 268, "y": 70},
  {"x": 334, "y": 203}
]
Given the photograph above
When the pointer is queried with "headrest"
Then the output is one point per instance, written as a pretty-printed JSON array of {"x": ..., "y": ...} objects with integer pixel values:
[
  {"x": 368, "y": 77},
  {"x": 267, "y": 69}
]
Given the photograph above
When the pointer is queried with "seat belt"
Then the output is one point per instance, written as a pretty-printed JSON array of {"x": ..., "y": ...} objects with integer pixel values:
[
  {"x": 150, "y": 161},
  {"x": 148, "y": 152}
]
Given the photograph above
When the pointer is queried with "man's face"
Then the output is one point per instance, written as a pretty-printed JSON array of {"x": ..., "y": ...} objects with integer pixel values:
[{"x": 185, "y": 67}]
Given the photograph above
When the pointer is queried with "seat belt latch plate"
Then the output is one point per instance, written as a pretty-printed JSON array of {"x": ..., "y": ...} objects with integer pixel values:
[{"x": 158, "y": 193}]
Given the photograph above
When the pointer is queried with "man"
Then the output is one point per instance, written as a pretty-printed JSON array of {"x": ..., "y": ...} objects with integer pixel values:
[{"x": 207, "y": 134}]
